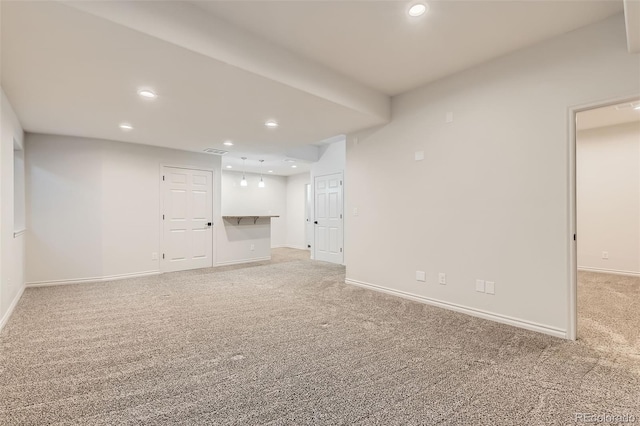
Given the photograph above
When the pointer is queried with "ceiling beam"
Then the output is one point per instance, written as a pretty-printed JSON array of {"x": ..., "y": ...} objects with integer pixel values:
[
  {"x": 186, "y": 25},
  {"x": 632, "y": 20}
]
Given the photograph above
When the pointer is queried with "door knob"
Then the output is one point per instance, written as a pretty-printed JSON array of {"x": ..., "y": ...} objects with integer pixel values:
[
  {"x": 209, "y": 224},
  {"x": 315, "y": 221}
]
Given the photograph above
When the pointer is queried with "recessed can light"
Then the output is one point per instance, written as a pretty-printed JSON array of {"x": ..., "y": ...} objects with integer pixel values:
[
  {"x": 227, "y": 143},
  {"x": 294, "y": 167},
  {"x": 417, "y": 9},
  {"x": 637, "y": 107},
  {"x": 126, "y": 126},
  {"x": 147, "y": 94},
  {"x": 270, "y": 171},
  {"x": 229, "y": 167},
  {"x": 272, "y": 124}
]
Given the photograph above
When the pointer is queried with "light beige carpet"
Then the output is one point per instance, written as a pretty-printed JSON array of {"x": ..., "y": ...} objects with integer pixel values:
[{"x": 290, "y": 343}]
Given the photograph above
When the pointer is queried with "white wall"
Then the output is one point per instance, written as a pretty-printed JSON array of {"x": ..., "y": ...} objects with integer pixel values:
[
  {"x": 254, "y": 201},
  {"x": 93, "y": 206},
  {"x": 490, "y": 200},
  {"x": 12, "y": 263},
  {"x": 608, "y": 198},
  {"x": 333, "y": 158},
  {"x": 296, "y": 206}
]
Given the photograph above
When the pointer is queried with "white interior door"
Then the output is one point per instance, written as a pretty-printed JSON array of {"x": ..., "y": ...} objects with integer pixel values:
[
  {"x": 187, "y": 219},
  {"x": 328, "y": 218}
]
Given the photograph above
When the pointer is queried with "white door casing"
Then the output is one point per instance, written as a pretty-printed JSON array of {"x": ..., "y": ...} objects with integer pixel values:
[
  {"x": 187, "y": 219},
  {"x": 308, "y": 224},
  {"x": 328, "y": 222}
]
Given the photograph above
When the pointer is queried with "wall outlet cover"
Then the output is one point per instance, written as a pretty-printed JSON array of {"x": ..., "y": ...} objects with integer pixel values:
[
  {"x": 490, "y": 287},
  {"x": 480, "y": 286},
  {"x": 442, "y": 278},
  {"x": 448, "y": 118},
  {"x": 419, "y": 155}
]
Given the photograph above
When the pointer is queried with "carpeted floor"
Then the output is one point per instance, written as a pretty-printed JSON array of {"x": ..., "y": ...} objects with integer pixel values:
[{"x": 287, "y": 342}]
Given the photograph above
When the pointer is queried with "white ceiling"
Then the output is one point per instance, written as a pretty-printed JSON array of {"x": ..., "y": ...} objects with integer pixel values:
[
  {"x": 222, "y": 68},
  {"x": 609, "y": 115},
  {"x": 378, "y": 44}
]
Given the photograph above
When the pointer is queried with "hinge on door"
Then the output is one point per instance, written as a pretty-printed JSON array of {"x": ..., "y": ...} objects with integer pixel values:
[
  {"x": 340, "y": 216},
  {"x": 162, "y": 217},
  {"x": 341, "y": 250},
  {"x": 162, "y": 177},
  {"x": 163, "y": 255},
  {"x": 340, "y": 182},
  {"x": 574, "y": 237}
]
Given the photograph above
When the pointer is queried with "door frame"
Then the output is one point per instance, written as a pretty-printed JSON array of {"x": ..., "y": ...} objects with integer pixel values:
[
  {"x": 313, "y": 211},
  {"x": 161, "y": 266},
  {"x": 308, "y": 218},
  {"x": 572, "y": 219}
]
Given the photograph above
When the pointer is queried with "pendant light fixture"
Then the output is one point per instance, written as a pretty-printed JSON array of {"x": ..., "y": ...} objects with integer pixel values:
[
  {"x": 243, "y": 182},
  {"x": 261, "y": 183}
]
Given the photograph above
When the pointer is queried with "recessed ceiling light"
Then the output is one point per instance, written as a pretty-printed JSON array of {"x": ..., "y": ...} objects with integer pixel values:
[
  {"x": 227, "y": 143},
  {"x": 148, "y": 94},
  {"x": 126, "y": 126},
  {"x": 294, "y": 167},
  {"x": 272, "y": 124},
  {"x": 637, "y": 107},
  {"x": 270, "y": 171},
  {"x": 417, "y": 9},
  {"x": 229, "y": 167}
]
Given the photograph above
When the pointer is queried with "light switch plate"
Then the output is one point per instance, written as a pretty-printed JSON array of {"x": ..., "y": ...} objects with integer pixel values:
[
  {"x": 421, "y": 276},
  {"x": 480, "y": 286},
  {"x": 442, "y": 278},
  {"x": 419, "y": 155}
]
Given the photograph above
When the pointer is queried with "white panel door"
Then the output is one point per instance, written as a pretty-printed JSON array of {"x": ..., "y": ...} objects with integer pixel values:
[
  {"x": 328, "y": 218},
  {"x": 187, "y": 219}
]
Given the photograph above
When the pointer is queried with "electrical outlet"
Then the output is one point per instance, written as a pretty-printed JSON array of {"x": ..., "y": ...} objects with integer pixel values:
[
  {"x": 490, "y": 287},
  {"x": 605, "y": 255},
  {"x": 480, "y": 286},
  {"x": 154, "y": 256},
  {"x": 253, "y": 247},
  {"x": 448, "y": 118},
  {"x": 421, "y": 276},
  {"x": 442, "y": 278},
  {"x": 355, "y": 211}
]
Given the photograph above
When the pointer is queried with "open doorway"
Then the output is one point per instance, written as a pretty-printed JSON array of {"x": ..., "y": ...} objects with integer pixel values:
[{"x": 607, "y": 224}]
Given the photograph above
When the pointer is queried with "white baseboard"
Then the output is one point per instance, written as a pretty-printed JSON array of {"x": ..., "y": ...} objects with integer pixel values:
[
  {"x": 292, "y": 247},
  {"x": 240, "y": 261},
  {"x": 609, "y": 271},
  {"x": 7, "y": 315},
  {"x": 516, "y": 322},
  {"x": 91, "y": 280}
]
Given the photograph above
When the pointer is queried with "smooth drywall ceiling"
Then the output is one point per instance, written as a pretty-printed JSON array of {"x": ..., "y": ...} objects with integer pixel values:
[
  {"x": 490, "y": 199},
  {"x": 93, "y": 206},
  {"x": 252, "y": 200},
  {"x": 296, "y": 209},
  {"x": 12, "y": 258},
  {"x": 608, "y": 198}
]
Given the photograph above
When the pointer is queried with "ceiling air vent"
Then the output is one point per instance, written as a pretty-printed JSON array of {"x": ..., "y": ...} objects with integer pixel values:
[{"x": 215, "y": 151}]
